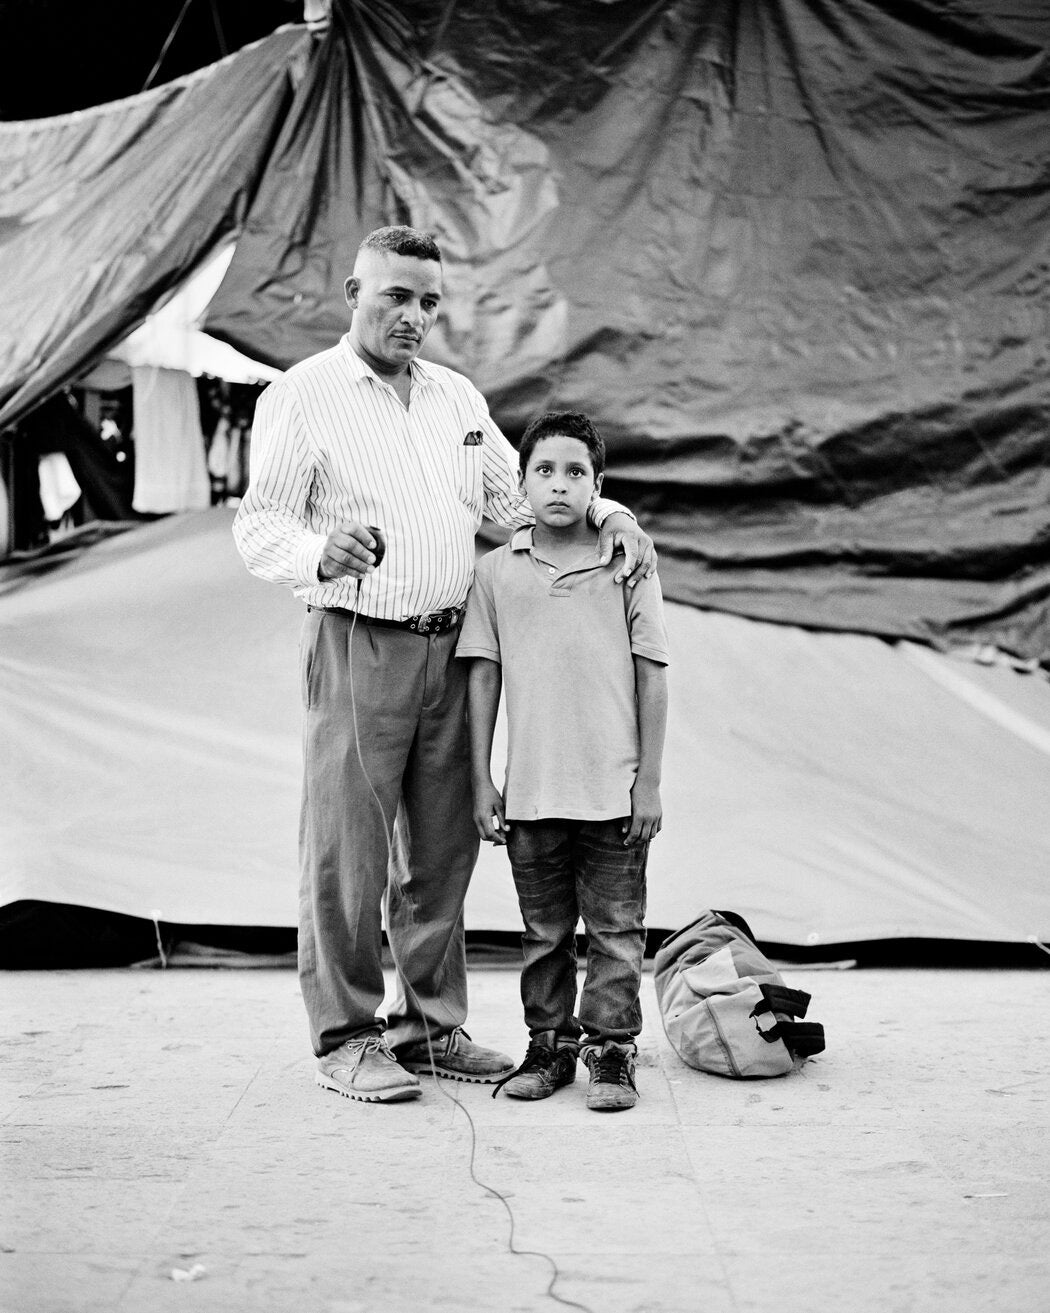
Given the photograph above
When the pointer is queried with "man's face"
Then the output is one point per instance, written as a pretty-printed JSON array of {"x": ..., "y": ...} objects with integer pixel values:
[
  {"x": 559, "y": 481},
  {"x": 395, "y": 303}
]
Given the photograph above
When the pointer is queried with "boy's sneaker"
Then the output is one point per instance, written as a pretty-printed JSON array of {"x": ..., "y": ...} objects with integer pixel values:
[
  {"x": 365, "y": 1069},
  {"x": 549, "y": 1064},
  {"x": 611, "y": 1086}
]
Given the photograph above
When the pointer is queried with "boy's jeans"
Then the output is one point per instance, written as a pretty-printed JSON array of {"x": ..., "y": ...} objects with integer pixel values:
[{"x": 565, "y": 870}]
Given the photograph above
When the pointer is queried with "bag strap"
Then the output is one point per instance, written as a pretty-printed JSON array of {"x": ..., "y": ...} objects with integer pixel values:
[
  {"x": 737, "y": 922},
  {"x": 802, "y": 1038},
  {"x": 778, "y": 998}
]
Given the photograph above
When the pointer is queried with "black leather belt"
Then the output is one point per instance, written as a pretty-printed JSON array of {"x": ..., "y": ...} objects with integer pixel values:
[{"x": 436, "y": 622}]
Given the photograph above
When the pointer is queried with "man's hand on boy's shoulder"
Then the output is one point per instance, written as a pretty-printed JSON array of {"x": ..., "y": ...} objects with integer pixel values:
[
  {"x": 489, "y": 818},
  {"x": 621, "y": 530},
  {"x": 646, "y": 814}
]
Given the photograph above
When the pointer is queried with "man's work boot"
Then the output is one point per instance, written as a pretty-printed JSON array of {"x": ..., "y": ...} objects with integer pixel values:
[
  {"x": 456, "y": 1057},
  {"x": 365, "y": 1069}
]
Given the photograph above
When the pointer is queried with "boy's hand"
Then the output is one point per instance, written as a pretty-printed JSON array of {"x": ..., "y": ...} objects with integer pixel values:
[
  {"x": 488, "y": 814},
  {"x": 620, "y": 530},
  {"x": 646, "y": 814}
]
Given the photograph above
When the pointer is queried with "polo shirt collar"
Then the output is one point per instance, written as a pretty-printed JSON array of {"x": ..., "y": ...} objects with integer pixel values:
[{"x": 522, "y": 540}]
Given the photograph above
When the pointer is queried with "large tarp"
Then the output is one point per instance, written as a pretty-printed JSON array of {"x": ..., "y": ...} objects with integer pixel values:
[
  {"x": 105, "y": 211},
  {"x": 833, "y": 788},
  {"x": 792, "y": 255}
]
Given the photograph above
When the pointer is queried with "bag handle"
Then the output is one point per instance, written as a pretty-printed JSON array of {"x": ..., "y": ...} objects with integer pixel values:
[
  {"x": 778, "y": 998},
  {"x": 802, "y": 1038},
  {"x": 737, "y": 922}
]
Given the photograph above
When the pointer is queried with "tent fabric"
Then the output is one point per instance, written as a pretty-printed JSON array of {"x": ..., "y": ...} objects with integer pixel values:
[
  {"x": 105, "y": 211},
  {"x": 792, "y": 257},
  {"x": 171, "y": 338},
  {"x": 833, "y": 788}
]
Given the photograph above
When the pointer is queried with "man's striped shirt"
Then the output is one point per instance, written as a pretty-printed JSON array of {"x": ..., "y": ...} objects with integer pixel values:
[{"x": 332, "y": 443}]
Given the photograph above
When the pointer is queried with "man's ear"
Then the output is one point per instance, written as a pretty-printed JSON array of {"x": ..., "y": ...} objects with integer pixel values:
[
  {"x": 521, "y": 480},
  {"x": 350, "y": 290},
  {"x": 597, "y": 486}
]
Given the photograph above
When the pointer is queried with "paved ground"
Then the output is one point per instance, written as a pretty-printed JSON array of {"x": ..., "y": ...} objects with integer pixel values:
[{"x": 164, "y": 1147}]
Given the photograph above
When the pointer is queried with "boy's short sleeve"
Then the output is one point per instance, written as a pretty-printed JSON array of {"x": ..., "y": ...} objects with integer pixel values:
[
  {"x": 645, "y": 620},
  {"x": 479, "y": 636}
]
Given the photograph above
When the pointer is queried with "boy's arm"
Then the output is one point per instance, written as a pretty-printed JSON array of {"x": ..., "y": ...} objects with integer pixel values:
[
  {"x": 646, "y": 810},
  {"x": 484, "y": 682}
]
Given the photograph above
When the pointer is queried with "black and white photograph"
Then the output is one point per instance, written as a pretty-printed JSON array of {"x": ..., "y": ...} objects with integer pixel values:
[{"x": 524, "y": 656}]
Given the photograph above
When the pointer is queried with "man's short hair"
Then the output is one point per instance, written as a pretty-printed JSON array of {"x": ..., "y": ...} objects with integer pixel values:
[
  {"x": 566, "y": 424},
  {"x": 400, "y": 240}
]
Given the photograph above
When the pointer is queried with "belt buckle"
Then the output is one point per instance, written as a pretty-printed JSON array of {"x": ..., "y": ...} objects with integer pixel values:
[{"x": 436, "y": 622}]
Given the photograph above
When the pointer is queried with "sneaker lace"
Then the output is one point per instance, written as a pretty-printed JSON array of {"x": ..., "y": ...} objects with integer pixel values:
[
  {"x": 611, "y": 1069},
  {"x": 534, "y": 1055}
]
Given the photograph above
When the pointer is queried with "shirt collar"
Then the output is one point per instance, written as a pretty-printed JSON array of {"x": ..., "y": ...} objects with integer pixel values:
[
  {"x": 420, "y": 374},
  {"x": 522, "y": 540}
]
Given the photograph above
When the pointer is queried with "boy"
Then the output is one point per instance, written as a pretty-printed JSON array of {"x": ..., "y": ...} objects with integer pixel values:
[{"x": 586, "y": 711}]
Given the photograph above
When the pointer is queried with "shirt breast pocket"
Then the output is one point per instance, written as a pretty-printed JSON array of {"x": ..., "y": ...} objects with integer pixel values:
[{"x": 471, "y": 472}]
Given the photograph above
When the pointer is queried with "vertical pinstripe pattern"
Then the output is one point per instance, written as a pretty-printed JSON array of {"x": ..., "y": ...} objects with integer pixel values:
[{"x": 332, "y": 443}]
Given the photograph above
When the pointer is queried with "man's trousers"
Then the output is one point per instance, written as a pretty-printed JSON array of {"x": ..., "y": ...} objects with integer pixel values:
[{"x": 386, "y": 826}]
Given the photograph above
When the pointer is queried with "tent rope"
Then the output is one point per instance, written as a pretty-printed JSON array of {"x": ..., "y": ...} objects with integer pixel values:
[
  {"x": 220, "y": 36},
  {"x": 164, "y": 48},
  {"x": 155, "y": 918}
]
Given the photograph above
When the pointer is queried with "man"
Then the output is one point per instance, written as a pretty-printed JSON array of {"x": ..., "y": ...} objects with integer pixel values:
[{"x": 365, "y": 434}]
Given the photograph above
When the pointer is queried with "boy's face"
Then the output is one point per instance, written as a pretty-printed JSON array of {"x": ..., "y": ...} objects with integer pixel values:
[{"x": 559, "y": 481}]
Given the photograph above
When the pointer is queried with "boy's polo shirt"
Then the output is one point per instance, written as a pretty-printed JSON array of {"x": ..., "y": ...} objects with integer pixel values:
[{"x": 566, "y": 639}]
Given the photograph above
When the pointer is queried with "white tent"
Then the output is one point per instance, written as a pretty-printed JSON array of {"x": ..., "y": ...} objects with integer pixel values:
[{"x": 833, "y": 788}]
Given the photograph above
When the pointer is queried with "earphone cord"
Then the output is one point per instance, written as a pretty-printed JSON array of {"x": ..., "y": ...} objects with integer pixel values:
[{"x": 411, "y": 994}]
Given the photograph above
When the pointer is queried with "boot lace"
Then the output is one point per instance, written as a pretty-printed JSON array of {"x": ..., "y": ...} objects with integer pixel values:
[{"x": 369, "y": 1044}]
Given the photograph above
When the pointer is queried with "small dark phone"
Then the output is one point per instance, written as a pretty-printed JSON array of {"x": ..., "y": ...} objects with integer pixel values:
[{"x": 379, "y": 550}]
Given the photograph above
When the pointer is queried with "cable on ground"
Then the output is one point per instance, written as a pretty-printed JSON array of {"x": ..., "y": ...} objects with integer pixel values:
[{"x": 409, "y": 991}]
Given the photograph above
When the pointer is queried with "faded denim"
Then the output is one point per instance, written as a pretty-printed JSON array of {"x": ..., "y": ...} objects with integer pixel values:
[{"x": 567, "y": 870}]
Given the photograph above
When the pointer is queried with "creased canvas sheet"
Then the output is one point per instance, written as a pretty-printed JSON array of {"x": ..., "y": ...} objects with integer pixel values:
[{"x": 830, "y": 787}]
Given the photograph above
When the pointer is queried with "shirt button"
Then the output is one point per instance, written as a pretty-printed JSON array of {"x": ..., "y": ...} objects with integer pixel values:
[{"x": 550, "y": 569}]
